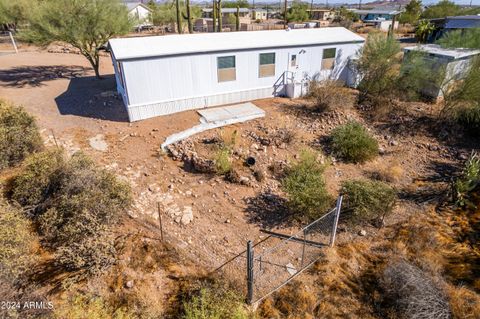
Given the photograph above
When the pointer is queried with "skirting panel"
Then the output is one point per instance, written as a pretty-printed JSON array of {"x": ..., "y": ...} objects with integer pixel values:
[{"x": 141, "y": 112}]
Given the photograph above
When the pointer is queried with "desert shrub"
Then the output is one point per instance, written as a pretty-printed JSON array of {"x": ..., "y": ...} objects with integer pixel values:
[
  {"x": 223, "y": 163},
  {"x": 469, "y": 118},
  {"x": 353, "y": 143},
  {"x": 305, "y": 186},
  {"x": 19, "y": 135},
  {"x": 368, "y": 200},
  {"x": 467, "y": 181},
  {"x": 16, "y": 243},
  {"x": 82, "y": 306},
  {"x": 284, "y": 135},
  {"x": 75, "y": 204},
  {"x": 214, "y": 301},
  {"x": 33, "y": 185},
  {"x": 329, "y": 95},
  {"x": 388, "y": 173},
  {"x": 413, "y": 293}
]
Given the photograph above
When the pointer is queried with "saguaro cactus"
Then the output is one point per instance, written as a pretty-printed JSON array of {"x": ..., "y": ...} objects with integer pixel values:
[
  {"x": 179, "y": 18},
  {"x": 237, "y": 19},
  {"x": 214, "y": 15},
  {"x": 188, "y": 16},
  {"x": 219, "y": 8}
]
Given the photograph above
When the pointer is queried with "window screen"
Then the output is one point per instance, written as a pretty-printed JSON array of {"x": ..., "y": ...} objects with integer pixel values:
[
  {"x": 226, "y": 68},
  {"x": 267, "y": 65},
  {"x": 293, "y": 60},
  {"x": 328, "y": 58}
]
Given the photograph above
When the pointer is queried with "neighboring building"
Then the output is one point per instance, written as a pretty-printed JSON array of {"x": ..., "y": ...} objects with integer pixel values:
[
  {"x": 376, "y": 15},
  {"x": 168, "y": 74},
  {"x": 443, "y": 25},
  {"x": 454, "y": 62},
  {"x": 321, "y": 14},
  {"x": 140, "y": 12},
  {"x": 243, "y": 13},
  {"x": 380, "y": 19},
  {"x": 259, "y": 14}
]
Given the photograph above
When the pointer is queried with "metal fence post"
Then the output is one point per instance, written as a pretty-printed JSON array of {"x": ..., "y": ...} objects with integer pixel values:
[
  {"x": 249, "y": 272},
  {"x": 335, "y": 222}
]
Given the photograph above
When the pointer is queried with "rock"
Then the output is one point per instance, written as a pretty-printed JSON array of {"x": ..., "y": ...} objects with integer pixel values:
[
  {"x": 227, "y": 221},
  {"x": 393, "y": 143},
  {"x": 98, "y": 143},
  {"x": 381, "y": 151},
  {"x": 244, "y": 180},
  {"x": 362, "y": 232},
  {"x": 291, "y": 269},
  {"x": 187, "y": 216},
  {"x": 129, "y": 284}
]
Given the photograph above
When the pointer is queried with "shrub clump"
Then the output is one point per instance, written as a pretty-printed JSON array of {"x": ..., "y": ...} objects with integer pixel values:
[
  {"x": 214, "y": 301},
  {"x": 74, "y": 204},
  {"x": 16, "y": 243},
  {"x": 305, "y": 186},
  {"x": 368, "y": 200},
  {"x": 354, "y": 143},
  {"x": 19, "y": 135},
  {"x": 413, "y": 293},
  {"x": 329, "y": 95},
  {"x": 468, "y": 181},
  {"x": 223, "y": 163}
]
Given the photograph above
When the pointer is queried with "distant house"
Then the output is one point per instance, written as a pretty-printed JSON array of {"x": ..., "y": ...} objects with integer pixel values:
[
  {"x": 243, "y": 13},
  {"x": 443, "y": 25},
  {"x": 140, "y": 12},
  {"x": 454, "y": 62},
  {"x": 161, "y": 75},
  {"x": 259, "y": 14},
  {"x": 321, "y": 14},
  {"x": 380, "y": 19}
]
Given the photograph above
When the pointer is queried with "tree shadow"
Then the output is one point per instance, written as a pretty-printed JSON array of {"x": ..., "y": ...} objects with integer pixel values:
[
  {"x": 268, "y": 210},
  {"x": 93, "y": 98},
  {"x": 35, "y": 76}
]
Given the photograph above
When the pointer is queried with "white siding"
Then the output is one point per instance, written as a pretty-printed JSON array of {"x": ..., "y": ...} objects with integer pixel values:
[{"x": 158, "y": 86}]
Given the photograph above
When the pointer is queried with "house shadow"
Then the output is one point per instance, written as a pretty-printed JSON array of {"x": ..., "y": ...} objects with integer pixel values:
[{"x": 90, "y": 97}]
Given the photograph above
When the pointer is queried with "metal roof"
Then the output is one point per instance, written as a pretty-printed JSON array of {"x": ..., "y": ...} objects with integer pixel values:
[
  {"x": 156, "y": 46},
  {"x": 228, "y": 10},
  {"x": 462, "y": 22},
  {"x": 132, "y": 5},
  {"x": 374, "y": 11},
  {"x": 437, "y": 50}
]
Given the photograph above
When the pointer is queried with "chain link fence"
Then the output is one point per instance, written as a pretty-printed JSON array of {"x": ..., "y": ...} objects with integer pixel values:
[
  {"x": 7, "y": 43},
  {"x": 268, "y": 265}
]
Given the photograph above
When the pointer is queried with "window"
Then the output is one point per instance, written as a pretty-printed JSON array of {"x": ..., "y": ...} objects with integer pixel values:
[
  {"x": 293, "y": 60},
  {"x": 267, "y": 65},
  {"x": 226, "y": 68},
  {"x": 328, "y": 58}
]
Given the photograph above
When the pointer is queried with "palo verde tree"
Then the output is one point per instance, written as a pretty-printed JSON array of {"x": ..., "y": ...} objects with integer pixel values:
[
  {"x": 85, "y": 24},
  {"x": 297, "y": 12},
  {"x": 13, "y": 13}
]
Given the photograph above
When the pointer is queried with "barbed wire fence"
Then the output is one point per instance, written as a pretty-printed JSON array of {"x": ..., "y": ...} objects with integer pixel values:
[{"x": 268, "y": 265}]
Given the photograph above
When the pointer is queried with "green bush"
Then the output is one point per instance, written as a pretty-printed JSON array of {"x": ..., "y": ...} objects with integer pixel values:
[
  {"x": 16, "y": 243},
  {"x": 74, "y": 204},
  {"x": 19, "y": 135},
  {"x": 353, "y": 143},
  {"x": 467, "y": 181},
  {"x": 305, "y": 186},
  {"x": 368, "y": 200},
  {"x": 212, "y": 301},
  {"x": 223, "y": 163}
]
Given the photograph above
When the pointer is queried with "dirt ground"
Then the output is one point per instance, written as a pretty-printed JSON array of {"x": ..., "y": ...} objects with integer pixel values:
[{"x": 76, "y": 111}]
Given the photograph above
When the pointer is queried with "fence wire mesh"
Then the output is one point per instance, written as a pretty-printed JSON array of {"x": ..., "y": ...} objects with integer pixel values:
[{"x": 275, "y": 260}]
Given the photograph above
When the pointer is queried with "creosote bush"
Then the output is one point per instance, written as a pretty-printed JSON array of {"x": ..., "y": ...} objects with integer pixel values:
[
  {"x": 305, "y": 186},
  {"x": 329, "y": 95},
  {"x": 353, "y": 143},
  {"x": 19, "y": 135},
  {"x": 74, "y": 205},
  {"x": 368, "y": 200},
  {"x": 214, "y": 301}
]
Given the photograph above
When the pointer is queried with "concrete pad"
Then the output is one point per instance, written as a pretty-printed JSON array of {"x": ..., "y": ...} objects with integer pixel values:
[
  {"x": 98, "y": 143},
  {"x": 225, "y": 113}
]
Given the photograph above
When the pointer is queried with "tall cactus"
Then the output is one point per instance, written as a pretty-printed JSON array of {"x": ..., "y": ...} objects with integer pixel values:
[
  {"x": 219, "y": 8},
  {"x": 188, "y": 16},
  {"x": 214, "y": 15},
  {"x": 179, "y": 18},
  {"x": 237, "y": 19}
]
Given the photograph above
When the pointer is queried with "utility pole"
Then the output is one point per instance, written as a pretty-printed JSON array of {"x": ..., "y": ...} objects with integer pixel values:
[
  {"x": 285, "y": 15},
  {"x": 360, "y": 5}
]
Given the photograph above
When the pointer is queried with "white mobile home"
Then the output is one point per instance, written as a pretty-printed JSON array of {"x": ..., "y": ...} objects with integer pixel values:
[{"x": 167, "y": 74}]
